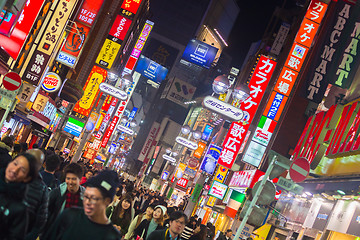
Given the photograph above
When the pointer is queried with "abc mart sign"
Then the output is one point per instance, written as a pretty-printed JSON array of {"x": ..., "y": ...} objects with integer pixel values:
[
  {"x": 113, "y": 91},
  {"x": 223, "y": 108}
]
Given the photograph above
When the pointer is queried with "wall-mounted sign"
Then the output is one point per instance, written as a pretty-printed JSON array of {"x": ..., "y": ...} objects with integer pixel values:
[
  {"x": 223, "y": 108},
  {"x": 51, "y": 83},
  {"x": 168, "y": 158},
  {"x": 150, "y": 69},
  {"x": 88, "y": 11},
  {"x": 199, "y": 53},
  {"x": 108, "y": 53},
  {"x": 220, "y": 174},
  {"x": 254, "y": 153},
  {"x": 26, "y": 92},
  {"x": 75, "y": 39},
  {"x": 120, "y": 27},
  {"x": 131, "y": 5},
  {"x": 207, "y": 132},
  {"x": 149, "y": 141},
  {"x": 74, "y": 126},
  {"x": 187, "y": 143},
  {"x": 182, "y": 182},
  {"x": 113, "y": 91},
  {"x": 199, "y": 151},
  {"x": 179, "y": 91},
  {"x": 165, "y": 175},
  {"x": 126, "y": 130},
  {"x": 66, "y": 59},
  {"x": 210, "y": 159},
  {"x": 218, "y": 190}
]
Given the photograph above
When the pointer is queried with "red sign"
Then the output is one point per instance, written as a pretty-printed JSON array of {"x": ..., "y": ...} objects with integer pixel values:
[
  {"x": 74, "y": 41},
  {"x": 14, "y": 43},
  {"x": 12, "y": 81},
  {"x": 182, "y": 182},
  {"x": 237, "y": 131},
  {"x": 299, "y": 169},
  {"x": 306, "y": 32},
  {"x": 286, "y": 81},
  {"x": 120, "y": 27},
  {"x": 131, "y": 5},
  {"x": 8, "y": 21},
  {"x": 316, "y": 11},
  {"x": 89, "y": 10},
  {"x": 109, "y": 131},
  {"x": 95, "y": 144}
]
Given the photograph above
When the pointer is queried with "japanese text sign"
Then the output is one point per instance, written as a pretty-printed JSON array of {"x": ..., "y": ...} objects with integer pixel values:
[
  {"x": 286, "y": 81},
  {"x": 142, "y": 39},
  {"x": 182, "y": 182},
  {"x": 108, "y": 53},
  {"x": 109, "y": 131},
  {"x": 210, "y": 159},
  {"x": 296, "y": 57},
  {"x": 88, "y": 11},
  {"x": 218, "y": 190},
  {"x": 27, "y": 91},
  {"x": 199, "y": 151},
  {"x": 220, "y": 174},
  {"x": 242, "y": 178},
  {"x": 36, "y": 67},
  {"x": 120, "y": 27},
  {"x": 131, "y": 5},
  {"x": 306, "y": 33},
  {"x": 275, "y": 106},
  {"x": 74, "y": 41},
  {"x": 231, "y": 144},
  {"x": 56, "y": 26},
  {"x": 91, "y": 88},
  {"x": 316, "y": 11}
]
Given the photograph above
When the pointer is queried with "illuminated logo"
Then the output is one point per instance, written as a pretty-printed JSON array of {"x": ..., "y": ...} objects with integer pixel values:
[
  {"x": 299, "y": 51},
  {"x": 201, "y": 50},
  {"x": 52, "y": 82}
]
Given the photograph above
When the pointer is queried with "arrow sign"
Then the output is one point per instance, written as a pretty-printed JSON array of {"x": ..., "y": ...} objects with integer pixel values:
[{"x": 299, "y": 169}]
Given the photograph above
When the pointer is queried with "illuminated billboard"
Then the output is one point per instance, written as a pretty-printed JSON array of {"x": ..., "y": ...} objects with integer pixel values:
[
  {"x": 199, "y": 53},
  {"x": 151, "y": 69},
  {"x": 74, "y": 126}
]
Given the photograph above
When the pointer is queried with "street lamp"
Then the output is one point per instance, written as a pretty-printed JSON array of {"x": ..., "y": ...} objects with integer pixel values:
[
  {"x": 221, "y": 84},
  {"x": 241, "y": 92},
  {"x": 126, "y": 80}
]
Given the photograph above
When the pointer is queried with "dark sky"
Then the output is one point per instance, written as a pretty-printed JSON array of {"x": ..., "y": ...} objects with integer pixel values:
[{"x": 249, "y": 27}]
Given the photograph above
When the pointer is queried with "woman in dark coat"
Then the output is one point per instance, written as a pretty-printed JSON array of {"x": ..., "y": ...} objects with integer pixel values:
[
  {"x": 13, "y": 211},
  {"x": 200, "y": 233}
]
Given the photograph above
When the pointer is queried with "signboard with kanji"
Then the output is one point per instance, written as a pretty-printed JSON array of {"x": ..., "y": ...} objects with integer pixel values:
[{"x": 218, "y": 190}]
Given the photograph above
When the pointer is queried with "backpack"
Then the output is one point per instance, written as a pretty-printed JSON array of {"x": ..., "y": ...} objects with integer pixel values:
[{"x": 54, "y": 183}]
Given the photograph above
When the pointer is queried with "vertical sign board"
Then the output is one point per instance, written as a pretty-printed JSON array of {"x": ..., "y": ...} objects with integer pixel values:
[
  {"x": 318, "y": 77},
  {"x": 286, "y": 79},
  {"x": 236, "y": 134},
  {"x": 148, "y": 142},
  {"x": 210, "y": 159},
  {"x": 13, "y": 44},
  {"x": 91, "y": 89},
  {"x": 48, "y": 42}
]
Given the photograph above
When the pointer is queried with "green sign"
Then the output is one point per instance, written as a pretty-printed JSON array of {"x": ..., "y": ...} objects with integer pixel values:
[
  {"x": 196, "y": 193},
  {"x": 171, "y": 190},
  {"x": 289, "y": 185}
]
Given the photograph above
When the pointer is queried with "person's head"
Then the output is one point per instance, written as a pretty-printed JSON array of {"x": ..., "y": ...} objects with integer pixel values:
[
  {"x": 38, "y": 154},
  {"x": 126, "y": 201},
  {"x": 149, "y": 211},
  {"x": 159, "y": 213},
  {"x": 57, "y": 151},
  {"x": 228, "y": 233},
  {"x": 73, "y": 173},
  {"x": 24, "y": 146},
  {"x": 23, "y": 168},
  {"x": 99, "y": 193},
  {"x": 35, "y": 145},
  {"x": 52, "y": 163},
  {"x": 201, "y": 231},
  {"x": 9, "y": 143},
  {"x": 89, "y": 174},
  {"x": 17, "y": 148},
  {"x": 177, "y": 223}
]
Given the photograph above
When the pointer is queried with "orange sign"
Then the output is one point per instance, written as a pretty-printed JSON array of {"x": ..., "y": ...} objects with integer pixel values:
[
  {"x": 199, "y": 151},
  {"x": 75, "y": 40},
  {"x": 316, "y": 11},
  {"x": 306, "y": 33},
  {"x": 286, "y": 81}
]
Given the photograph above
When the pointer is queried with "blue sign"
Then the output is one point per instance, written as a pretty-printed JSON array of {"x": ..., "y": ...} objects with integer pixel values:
[
  {"x": 211, "y": 157},
  {"x": 112, "y": 147},
  {"x": 275, "y": 106},
  {"x": 150, "y": 69},
  {"x": 66, "y": 59},
  {"x": 199, "y": 53},
  {"x": 131, "y": 116},
  {"x": 74, "y": 126},
  {"x": 207, "y": 132},
  {"x": 165, "y": 175}
]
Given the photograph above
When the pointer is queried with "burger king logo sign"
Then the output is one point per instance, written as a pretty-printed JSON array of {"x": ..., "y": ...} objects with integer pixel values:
[{"x": 52, "y": 82}]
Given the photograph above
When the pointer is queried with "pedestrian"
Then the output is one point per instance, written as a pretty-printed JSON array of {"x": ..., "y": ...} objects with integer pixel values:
[
  {"x": 89, "y": 173},
  {"x": 36, "y": 198},
  {"x": 16, "y": 150},
  {"x": 89, "y": 223},
  {"x": 52, "y": 163},
  {"x": 189, "y": 229},
  {"x": 148, "y": 214},
  {"x": 210, "y": 231},
  {"x": 146, "y": 227},
  {"x": 6, "y": 145},
  {"x": 120, "y": 214},
  {"x": 200, "y": 233},
  {"x": 68, "y": 194},
  {"x": 24, "y": 147},
  {"x": 13, "y": 180},
  {"x": 225, "y": 236},
  {"x": 176, "y": 226}
]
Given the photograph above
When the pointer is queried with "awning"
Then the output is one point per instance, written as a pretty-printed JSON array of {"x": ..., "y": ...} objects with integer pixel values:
[{"x": 348, "y": 184}]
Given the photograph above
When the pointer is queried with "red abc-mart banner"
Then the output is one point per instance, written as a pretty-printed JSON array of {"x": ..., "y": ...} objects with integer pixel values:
[{"x": 237, "y": 132}]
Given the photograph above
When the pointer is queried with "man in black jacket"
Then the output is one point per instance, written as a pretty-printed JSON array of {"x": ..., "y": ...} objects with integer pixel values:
[
  {"x": 177, "y": 224},
  {"x": 225, "y": 236},
  {"x": 6, "y": 145}
]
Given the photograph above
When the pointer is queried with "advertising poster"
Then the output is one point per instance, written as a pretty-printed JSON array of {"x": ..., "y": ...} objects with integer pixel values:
[
  {"x": 210, "y": 159},
  {"x": 150, "y": 69},
  {"x": 199, "y": 53}
]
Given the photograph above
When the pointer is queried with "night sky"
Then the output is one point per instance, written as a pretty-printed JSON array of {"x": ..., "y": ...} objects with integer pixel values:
[{"x": 249, "y": 27}]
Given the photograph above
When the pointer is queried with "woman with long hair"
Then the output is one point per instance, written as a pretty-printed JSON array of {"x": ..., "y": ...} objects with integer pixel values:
[
  {"x": 13, "y": 180},
  {"x": 200, "y": 233},
  {"x": 120, "y": 215},
  {"x": 147, "y": 215},
  {"x": 146, "y": 227}
]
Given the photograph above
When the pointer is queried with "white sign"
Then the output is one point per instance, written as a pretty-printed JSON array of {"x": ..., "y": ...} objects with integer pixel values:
[
  {"x": 168, "y": 158},
  {"x": 223, "y": 108},
  {"x": 7, "y": 93},
  {"x": 113, "y": 91},
  {"x": 180, "y": 92},
  {"x": 187, "y": 143},
  {"x": 262, "y": 136},
  {"x": 218, "y": 190},
  {"x": 125, "y": 130},
  {"x": 66, "y": 59},
  {"x": 254, "y": 154}
]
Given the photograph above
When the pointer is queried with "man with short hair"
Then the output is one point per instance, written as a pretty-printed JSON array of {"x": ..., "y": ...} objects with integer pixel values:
[
  {"x": 52, "y": 163},
  {"x": 177, "y": 224},
  {"x": 226, "y": 236},
  {"x": 89, "y": 223},
  {"x": 68, "y": 194}
]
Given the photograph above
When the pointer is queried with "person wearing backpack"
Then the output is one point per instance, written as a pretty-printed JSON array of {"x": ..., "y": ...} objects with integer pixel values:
[{"x": 52, "y": 163}]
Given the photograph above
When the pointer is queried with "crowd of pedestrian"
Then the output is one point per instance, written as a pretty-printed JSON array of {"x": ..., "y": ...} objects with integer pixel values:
[{"x": 43, "y": 195}]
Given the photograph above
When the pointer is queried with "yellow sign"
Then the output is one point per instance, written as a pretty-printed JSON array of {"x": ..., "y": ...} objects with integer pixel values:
[
  {"x": 220, "y": 174},
  {"x": 211, "y": 201},
  {"x": 56, "y": 26},
  {"x": 262, "y": 232},
  {"x": 108, "y": 53},
  {"x": 40, "y": 103}
]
